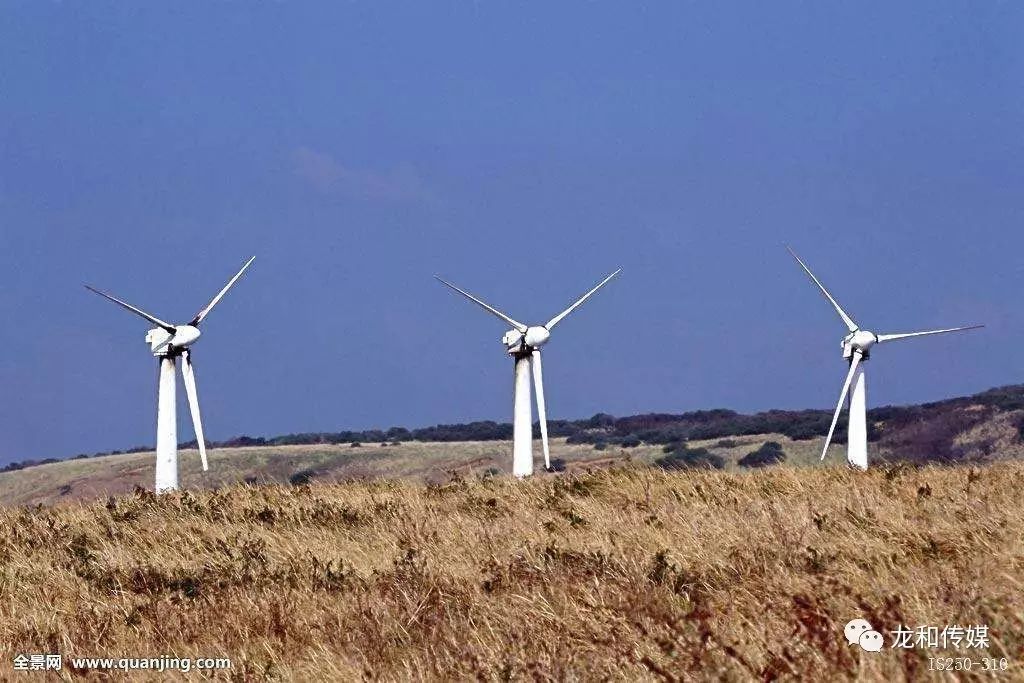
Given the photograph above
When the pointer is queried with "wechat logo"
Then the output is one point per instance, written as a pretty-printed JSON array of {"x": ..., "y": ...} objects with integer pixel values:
[{"x": 860, "y": 632}]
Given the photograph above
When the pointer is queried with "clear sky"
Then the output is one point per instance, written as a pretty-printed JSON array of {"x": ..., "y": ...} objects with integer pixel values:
[{"x": 522, "y": 150}]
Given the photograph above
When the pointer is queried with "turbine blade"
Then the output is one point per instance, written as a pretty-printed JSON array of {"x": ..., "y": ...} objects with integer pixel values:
[
  {"x": 189, "y": 376},
  {"x": 554, "y": 321},
  {"x": 494, "y": 311},
  {"x": 854, "y": 362},
  {"x": 853, "y": 327},
  {"x": 137, "y": 311},
  {"x": 906, "y": 335},
  {"x": 220, "y": 295},
  {"x": 542, "y": 415}
]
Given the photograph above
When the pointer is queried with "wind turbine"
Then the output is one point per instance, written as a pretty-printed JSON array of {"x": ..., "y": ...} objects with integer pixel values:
[
  {"x": 857, "y": 347},
  {"x": 523, "y": 344},
  {"x": 168, "y": 342}
]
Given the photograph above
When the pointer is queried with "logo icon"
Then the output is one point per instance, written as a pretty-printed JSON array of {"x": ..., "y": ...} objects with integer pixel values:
[{"x": 860, "y": 632}]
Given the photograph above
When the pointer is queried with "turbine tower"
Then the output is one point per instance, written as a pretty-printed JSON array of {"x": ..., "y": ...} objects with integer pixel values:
[
  {"x": 168, "y": 342},
  {"x": 523, "y": 343},
  {"x": 857, "y": 347}
]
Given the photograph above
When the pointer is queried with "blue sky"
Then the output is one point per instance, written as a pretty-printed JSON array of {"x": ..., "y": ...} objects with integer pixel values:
[{"x": 522, "y": 150}]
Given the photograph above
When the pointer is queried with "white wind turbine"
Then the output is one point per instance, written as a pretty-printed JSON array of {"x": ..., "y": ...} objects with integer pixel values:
[
  {"x": 167, "y": 342},
  {"x": 856, "y": 349},
  {"x": 523, "y": 344}
]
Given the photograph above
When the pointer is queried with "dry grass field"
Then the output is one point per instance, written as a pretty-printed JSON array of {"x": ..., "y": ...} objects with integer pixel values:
[{"x": 617, "y": 574}]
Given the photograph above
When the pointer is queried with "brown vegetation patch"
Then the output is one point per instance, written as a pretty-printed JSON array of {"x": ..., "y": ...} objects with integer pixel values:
[{"x": 629, "y": 574}]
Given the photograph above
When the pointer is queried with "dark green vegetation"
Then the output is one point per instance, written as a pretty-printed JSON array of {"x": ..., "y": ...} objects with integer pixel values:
[
  {"x": 769, "y": 453},
  {"x": 682, "y": 457}
]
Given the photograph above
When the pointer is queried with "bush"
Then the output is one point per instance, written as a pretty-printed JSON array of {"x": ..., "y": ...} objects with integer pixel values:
[
  {"x": 302, "y": 477},
  {"x": 770, "y": 453},
  {"x": 557, "y": 465},
  {"x": 803, "y": 431},
  {"x": 355, "y": 444},
  {"x": 243, "y": 441},
  {"x": 588, "y": 436},
  {"x": 600, "y": 420},
  {"x": 684, "y": 458},
  {"x": 474, "y": 431},
  {"x": 398, "y": 434}
]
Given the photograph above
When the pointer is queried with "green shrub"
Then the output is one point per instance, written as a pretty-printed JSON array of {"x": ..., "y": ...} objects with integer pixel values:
[
  {"x": 302, "y": 477},
  {"x": 684, "y": 458},
  {"x": 770, "y": 453}
]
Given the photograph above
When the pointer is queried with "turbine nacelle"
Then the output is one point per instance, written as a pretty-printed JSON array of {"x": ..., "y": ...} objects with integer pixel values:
[
  {"x": 519, "y": 342},
  {"x": 163, "y": 343},
  {"x": 513, "y": 341},
  {"x": 860, "y": 340}
]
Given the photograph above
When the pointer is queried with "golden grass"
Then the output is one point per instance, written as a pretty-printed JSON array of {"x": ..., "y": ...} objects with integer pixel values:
[{"x": 622, "y": 574}]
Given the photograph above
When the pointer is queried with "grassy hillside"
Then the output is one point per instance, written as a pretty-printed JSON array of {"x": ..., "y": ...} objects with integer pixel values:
[
  {"x": 88, "y": 479},
  {"x": 622, "y": 574},
  {"x": 973, "y": 429}
]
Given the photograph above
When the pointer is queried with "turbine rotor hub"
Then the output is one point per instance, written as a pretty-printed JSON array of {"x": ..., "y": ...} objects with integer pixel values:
[
  {"x": 185, "y": 335},
  {"x": 537, "y": 336}
]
